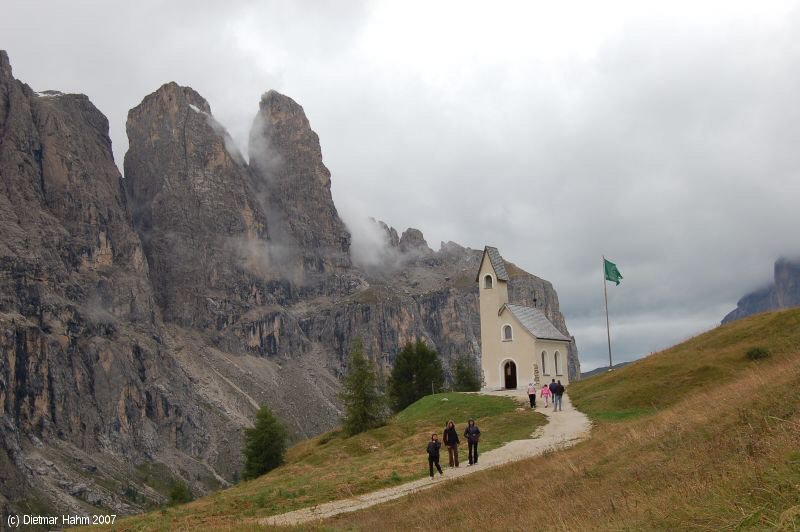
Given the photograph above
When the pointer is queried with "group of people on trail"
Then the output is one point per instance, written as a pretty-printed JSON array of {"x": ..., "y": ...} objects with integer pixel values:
[
  {"x": 554, "y": 390},
  {"x": 472, "y": 433},
  {"x": 450, "y": 439}
]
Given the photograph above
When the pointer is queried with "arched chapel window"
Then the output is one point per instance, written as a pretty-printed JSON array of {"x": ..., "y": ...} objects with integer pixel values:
[
  {"x": 544, "y": 363},
  {"x": 558, "y": 363},
  {"x": 507, "y": 333},
  {"x": 487, "y": 281}
]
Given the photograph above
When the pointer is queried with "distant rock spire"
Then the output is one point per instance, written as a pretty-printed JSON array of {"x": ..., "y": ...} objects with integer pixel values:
[{"x": 286, "y": 161}]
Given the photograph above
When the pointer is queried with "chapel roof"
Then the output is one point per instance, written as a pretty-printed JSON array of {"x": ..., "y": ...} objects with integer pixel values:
[
  {"x": 535, "y": 322},
  {"x": 498, "y": 263}
]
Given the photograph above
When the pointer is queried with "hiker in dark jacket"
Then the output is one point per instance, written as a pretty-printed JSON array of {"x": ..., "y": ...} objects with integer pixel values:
[
  {"x": 433, "y": 454},
  {"x": 558, "y": 396},
  {"x": 552, "y": 387},
  {"x": 472, "y": 433},
  {"x": 451, "y": 441}
]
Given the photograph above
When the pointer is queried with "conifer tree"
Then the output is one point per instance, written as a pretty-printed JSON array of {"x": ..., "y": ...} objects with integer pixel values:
[
  {"x": 417, "y": 372},
  {"x": 264, "y": 444},
  {"x": 364, "y": 406},
  {"x": 465, "y": 375}
]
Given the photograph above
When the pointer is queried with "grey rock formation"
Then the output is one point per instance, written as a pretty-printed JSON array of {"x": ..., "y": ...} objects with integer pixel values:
[
  {"x": 413, "y": 241},
  {"x": 784, "y": 292},
  {"x": 193, "y": 205},
  {"x": 83, "y": 371},
  {"x": 295, "y": 185}
]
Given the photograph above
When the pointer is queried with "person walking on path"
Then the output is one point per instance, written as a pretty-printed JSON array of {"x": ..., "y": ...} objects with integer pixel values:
[
  {"x": 552, "y": 387},
  {"x": 532, "y": 394},
  {"x": 472, "y": 433},
  {"x": 545, "y": 394},
  {"x": 433, "y": 454},
  {"x": 558, "y": 396},
  {"x": 451, "y": 442}
]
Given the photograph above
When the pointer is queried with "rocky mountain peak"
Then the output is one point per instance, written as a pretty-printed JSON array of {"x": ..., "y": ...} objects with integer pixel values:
[
  {"x": 413, "y": 240},
  {"x": 173, "y": 99},
  {"x": 192, "y": 202},
  {"x": 294, "y": 183},
  {"x": 783, "y": 292},
  {"x": 5, "y": 65}
]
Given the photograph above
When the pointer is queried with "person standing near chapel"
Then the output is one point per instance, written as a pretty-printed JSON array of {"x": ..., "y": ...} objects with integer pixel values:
[
  {"x": 472, "y": 433},
  {"x": 552, "y": 387},
  {"x": 558, "y": 396},
  {"x": 451, "y": 441},
  {"x": 532, "y": 394},
  {"x": 433, "y": 454}
]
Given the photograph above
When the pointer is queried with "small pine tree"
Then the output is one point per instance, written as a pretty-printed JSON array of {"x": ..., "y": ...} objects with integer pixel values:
[
  {"x": 417, "y": 372},
  {"x": 363, "y": 404},
  {"x": 264, "y": 445},
  {"x": 465, "y": 375}
]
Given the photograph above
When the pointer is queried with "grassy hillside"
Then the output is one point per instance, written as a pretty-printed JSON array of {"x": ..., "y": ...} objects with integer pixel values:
[
  {"x": 711, "y": 359},
  {"x": 696, "y": 437},
  {"x": 333, "y": 466}
]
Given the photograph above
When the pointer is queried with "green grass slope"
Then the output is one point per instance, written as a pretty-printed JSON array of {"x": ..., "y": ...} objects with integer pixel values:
[
  {"x": 710, "y": 359},
  {"x": 333, "y": 466},
  {"x": 696, "y": 437}
]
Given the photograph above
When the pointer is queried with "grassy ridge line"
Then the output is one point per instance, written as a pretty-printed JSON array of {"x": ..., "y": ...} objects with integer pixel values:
[
  {"x": 332, "y": 467},
  {"x": 659, "y": 381},
  {"x": 725, "y": 457}
]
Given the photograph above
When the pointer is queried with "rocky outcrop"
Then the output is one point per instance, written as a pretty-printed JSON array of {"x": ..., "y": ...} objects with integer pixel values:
[
  {"x": 295, "y": 185},
  {"x": 144, "y": 320},
  {"x": 193, "y": 205},
  {"x": 784, "y": 292},
  {"x": 83, "y": 371},
  {"x": 413, "y": 241}
]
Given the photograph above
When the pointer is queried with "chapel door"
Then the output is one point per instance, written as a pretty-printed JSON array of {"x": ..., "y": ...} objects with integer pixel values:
[{"x": 510, "y": 373}]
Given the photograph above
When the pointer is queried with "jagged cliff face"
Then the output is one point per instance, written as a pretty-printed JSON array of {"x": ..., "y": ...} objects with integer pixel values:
[
  {"x": 193, "y": 205},
  {"x": 295, "y": 185},
  {"x": 143, "y": 321},
  {"x": 784, "y": 292},
  {"x": 83, "y": 374}
]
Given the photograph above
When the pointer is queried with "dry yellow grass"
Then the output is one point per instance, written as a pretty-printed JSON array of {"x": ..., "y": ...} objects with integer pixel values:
[{"x": 722, "y": 457}]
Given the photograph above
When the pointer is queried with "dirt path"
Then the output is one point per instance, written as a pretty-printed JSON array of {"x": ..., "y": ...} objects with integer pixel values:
[{"x": 564, "y": 429}]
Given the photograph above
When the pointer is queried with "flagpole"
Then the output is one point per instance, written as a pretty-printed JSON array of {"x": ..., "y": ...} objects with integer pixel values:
[{"x": 608, "y": 327}]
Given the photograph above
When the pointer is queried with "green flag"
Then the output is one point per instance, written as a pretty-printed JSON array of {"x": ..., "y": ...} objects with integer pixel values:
[{"x": 612, "y": 273}]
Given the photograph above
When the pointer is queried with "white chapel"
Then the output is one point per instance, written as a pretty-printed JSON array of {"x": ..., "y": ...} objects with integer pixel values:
[{"x": 518, "y": 344}]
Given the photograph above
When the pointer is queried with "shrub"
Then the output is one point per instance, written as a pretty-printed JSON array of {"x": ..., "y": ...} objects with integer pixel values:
[
  {"x": 417, "y": 372},
  {"x": 264, "y": 445},
  {"x": 757, "y": 353},
  {"x": 364, "y": 406},
  {"x": 180, "y": 493}
]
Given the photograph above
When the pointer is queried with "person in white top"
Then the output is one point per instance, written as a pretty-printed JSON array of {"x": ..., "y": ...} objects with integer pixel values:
[{"x": 532, "y": 394}]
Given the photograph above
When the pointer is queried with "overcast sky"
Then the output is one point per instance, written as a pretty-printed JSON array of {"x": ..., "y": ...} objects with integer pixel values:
[{"x": 666, "y": 138}]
